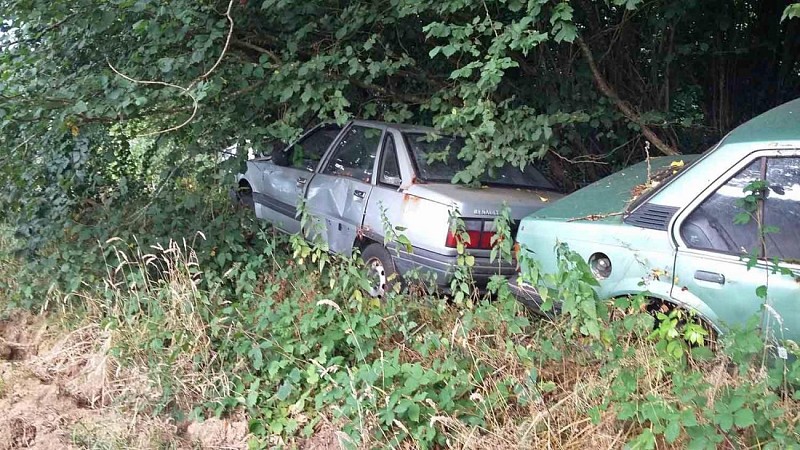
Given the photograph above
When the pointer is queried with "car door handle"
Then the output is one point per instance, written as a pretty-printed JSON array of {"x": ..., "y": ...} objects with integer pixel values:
[
  {"x": 301, "y": 181},
  {"x": 711, "y": 277},
  {"x": 359, "y": 194}
]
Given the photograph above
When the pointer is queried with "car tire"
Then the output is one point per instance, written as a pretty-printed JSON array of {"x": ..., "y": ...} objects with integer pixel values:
[{"x": 380, "y": 269}]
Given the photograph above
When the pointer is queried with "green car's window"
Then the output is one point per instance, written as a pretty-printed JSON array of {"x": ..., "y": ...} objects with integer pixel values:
[
  {"x": 354, "y": 156},
  {"x": 711, "y": 225},
  {"x": 782, "y": 209}
]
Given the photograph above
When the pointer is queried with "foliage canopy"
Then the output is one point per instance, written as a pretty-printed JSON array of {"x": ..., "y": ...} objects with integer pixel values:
[{"x": 87, "y": 87}]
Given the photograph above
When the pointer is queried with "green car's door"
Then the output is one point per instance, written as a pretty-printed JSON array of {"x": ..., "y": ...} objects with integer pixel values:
[{"x": 718, "y": 238}]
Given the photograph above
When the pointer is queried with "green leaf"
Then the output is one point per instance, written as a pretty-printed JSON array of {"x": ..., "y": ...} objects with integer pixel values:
[
  {"x": 791, "y": 12},
  {"x": 567, "y": 32},
  {"x": 413, "y": 413},
  {"x": 725, "y": 421},
  {"x": 744, "y": 418},
  {"x": 672, "y": 431},
  {"x": 80, "y": 107},
  {"x": 256, "y": 357},
  {"x": 448, "y": 50},
  {"x": 284, "y": 391},
  {"x": 165, "y": 64}
]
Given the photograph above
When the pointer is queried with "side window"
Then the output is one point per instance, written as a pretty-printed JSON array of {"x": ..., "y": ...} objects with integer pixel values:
[
  {"x": 390, "y": 168},
  {"x": 354, "y": 156},
  {"x": 782, "y": 209},
  {"x": 306, "y": 153},
  {"x": 711, "y": 225}
]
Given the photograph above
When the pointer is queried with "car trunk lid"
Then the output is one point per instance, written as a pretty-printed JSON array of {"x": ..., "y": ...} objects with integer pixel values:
[
  {"x": 485, "y": 202},
  {"x": 608, "y": 198}
]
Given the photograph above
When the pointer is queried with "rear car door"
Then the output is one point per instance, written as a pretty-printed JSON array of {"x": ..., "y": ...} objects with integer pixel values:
[
  {"x": 338, "y": 194},
  {"x": 285, "y": 179},
  {"x": 719, "y": 240}
]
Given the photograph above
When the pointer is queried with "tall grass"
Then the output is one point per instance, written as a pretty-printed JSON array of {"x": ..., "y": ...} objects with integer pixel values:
[{"x": 299, "y": 350}]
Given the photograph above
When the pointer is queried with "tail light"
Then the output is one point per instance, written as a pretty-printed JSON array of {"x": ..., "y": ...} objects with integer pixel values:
[{"x": 480, "y": 234}]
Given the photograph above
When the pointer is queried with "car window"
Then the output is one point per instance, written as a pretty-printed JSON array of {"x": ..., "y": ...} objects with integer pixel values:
[
  {"x": 782, "y": 209},
  {"x": 712, "y": 225},
  {"x": 307, "y": 152},
  {"x": 437, "y": 160},
  {"x": 390, "y": 168},
  {"x": 355, "y": 154}
]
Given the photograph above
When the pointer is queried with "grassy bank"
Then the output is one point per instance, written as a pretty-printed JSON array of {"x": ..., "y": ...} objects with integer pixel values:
[{"x": 231, "y": 321}]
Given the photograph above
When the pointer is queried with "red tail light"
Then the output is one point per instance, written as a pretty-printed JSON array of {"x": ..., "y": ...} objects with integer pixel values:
[{"x": 480, "y": 234}]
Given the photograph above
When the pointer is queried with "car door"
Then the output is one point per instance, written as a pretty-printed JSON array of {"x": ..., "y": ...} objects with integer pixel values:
[
  {"x": 284, "y": 180},
  {"x": 338, "y": 194},
  {"x": 722, "y": 258},
  {"x": 387, "y": 203}
]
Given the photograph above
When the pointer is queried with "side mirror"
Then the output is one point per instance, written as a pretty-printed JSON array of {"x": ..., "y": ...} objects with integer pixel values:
[{"x": 280, "y": 157}]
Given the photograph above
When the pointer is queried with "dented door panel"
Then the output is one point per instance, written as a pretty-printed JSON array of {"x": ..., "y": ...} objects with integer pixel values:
[
  {"x": 337, "y": 205},
  {"x": 338, "y": 196},
  {"x": 280, "y": 196}
]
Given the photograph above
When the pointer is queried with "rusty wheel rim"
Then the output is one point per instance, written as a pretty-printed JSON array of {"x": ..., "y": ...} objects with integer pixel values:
[{"x": 377, "y": 277}]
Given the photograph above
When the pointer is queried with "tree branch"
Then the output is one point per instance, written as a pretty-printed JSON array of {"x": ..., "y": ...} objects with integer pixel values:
[
  {"x": 272, "y": 55},
  {"x": 625, "y": 108},
  {"x": 188, "y": 89},
  {"x": 408, "y": 98}
]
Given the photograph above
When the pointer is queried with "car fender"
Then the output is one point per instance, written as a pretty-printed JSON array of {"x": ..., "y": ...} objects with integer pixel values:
[{"x": 683, "y": 297}]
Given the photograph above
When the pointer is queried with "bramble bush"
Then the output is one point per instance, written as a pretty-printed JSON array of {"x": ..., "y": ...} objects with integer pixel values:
[{"x": 237, "y": 317}]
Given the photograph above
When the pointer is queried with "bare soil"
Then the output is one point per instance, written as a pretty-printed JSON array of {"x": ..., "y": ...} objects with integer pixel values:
[{"x": 57, "y": 391}]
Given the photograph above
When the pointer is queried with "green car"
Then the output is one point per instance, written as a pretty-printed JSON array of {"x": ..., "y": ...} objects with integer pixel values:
[{"x": 687, "y": 236}]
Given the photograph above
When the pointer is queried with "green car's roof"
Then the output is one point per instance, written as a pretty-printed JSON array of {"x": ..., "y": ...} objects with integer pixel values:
[
  {"x": 607, "y": 199},
  {"x": 777, "y": 124}
]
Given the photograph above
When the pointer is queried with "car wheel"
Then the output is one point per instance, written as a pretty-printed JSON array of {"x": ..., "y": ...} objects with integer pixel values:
[{"x": 381, "y": 271}]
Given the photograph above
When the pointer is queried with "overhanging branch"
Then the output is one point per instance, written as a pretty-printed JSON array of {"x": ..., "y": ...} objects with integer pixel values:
[{"x": 626, "y": 109}]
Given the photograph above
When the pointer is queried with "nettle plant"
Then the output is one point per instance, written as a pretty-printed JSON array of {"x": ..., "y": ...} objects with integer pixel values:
[{"x": 571, "y": 290}]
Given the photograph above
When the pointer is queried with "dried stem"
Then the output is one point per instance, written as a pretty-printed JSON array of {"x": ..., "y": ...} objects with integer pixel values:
[{"x": 185, "y": 90}]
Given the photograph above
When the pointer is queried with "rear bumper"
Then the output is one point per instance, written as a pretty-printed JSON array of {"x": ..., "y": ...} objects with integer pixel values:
[
  {"x": 443, "y": 266},
  {"x": 529, "y": 296}
]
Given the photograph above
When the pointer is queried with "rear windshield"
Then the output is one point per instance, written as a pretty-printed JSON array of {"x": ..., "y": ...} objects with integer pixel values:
[{"x": 437, "y": 160}]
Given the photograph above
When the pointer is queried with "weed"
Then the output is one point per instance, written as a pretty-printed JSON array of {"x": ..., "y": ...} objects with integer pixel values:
[{"x": 238, "y": 319}]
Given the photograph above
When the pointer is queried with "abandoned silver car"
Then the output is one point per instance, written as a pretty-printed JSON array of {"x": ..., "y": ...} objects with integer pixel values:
[{"x": 355, "y": 179}]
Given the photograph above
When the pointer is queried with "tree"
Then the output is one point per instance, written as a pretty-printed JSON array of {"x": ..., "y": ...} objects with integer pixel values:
[{"x": 556, "y": 82}]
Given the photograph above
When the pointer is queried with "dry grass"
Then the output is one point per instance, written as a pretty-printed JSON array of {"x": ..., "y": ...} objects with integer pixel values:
[
  {"x": 156, "y": 319},
  {"x": 560, "y": 418},
  {"x": 103, "y": 398}
]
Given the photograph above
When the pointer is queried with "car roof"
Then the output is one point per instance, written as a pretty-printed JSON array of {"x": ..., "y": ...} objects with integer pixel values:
[
  {"x": 778, "y": 128},
  {"x": 777, "y": 124}
]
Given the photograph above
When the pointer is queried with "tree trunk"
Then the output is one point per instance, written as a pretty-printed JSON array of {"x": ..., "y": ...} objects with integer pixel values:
[{"x": 626, "y": 109}]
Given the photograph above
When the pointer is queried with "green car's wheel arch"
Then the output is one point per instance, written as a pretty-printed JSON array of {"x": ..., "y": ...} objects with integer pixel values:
[{"x": 657, "y": 305}]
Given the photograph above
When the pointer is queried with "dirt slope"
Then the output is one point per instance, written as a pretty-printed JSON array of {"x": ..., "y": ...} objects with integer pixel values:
[{"x": 57, "y": 391}]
